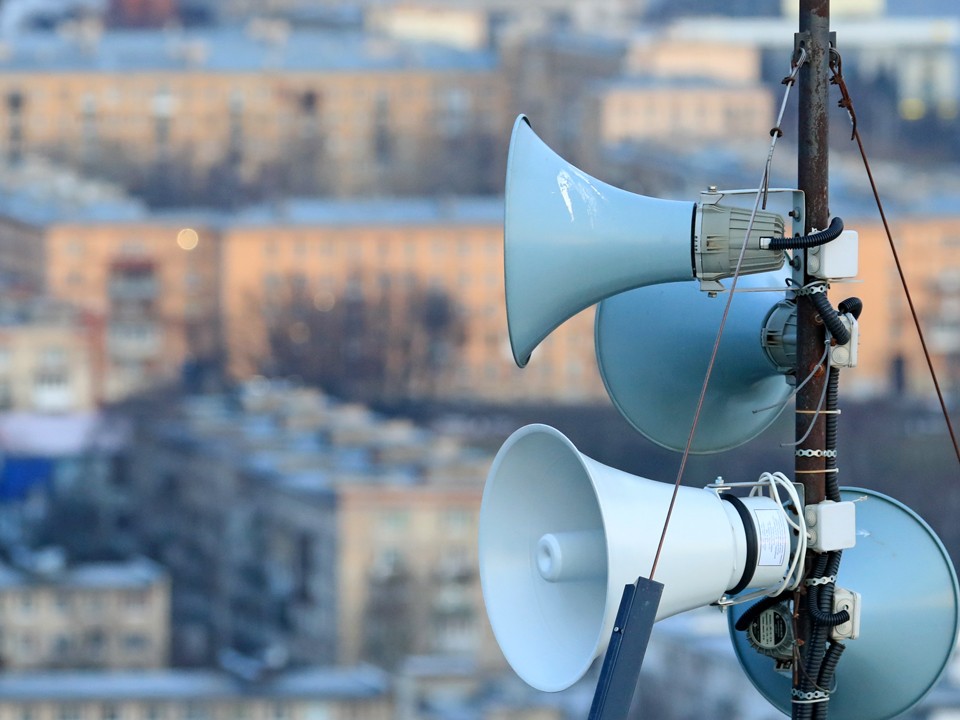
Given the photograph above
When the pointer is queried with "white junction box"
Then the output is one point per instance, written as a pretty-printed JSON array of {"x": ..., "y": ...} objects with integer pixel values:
[
  {"x": 832, "y": 525},
  {"x": 837, "y": 260}
]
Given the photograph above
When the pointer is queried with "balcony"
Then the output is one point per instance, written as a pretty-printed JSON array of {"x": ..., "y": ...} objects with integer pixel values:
[{"x": 134, "y": 340}]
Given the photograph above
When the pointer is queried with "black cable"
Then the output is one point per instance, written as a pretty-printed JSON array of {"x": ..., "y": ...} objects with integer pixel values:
[
  {"x": 755, "y": 610},
  {"x": 808, "y": 241},
  {"x": 830, "y": 317},
  {"x": 820, "y": 597},
  {"x": 852, "y": 305},
  {"x": 811, "y": 655},
  {"x": 827, "y": 671}
]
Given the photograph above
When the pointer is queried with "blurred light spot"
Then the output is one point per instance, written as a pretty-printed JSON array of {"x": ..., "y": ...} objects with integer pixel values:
[
  {"x": 324, "y": 301},
  {"x": 188, "y": 238},
  {"x": 912, "y": 109}
]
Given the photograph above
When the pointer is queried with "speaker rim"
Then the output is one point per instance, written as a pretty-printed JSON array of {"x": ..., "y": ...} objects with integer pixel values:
[
  {"x": 770, "y": 684},
  {"x": 613, "y": 383},
  {"x": 514, "y": 139},
  {"x": 598, "y": 635}
]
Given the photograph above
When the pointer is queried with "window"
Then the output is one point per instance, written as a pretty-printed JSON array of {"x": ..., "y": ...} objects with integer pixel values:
[
  {"x": 196, "y": 711},
  {"x": 457, "y": 520},
  {"x": 135, "y": 643},
  {"x": 69, "y": 712},
  {"x": 135, "y": 599}
]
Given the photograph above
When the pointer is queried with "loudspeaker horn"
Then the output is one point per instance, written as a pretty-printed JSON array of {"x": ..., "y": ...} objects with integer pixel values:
[
  {"x": 654, "y": 344},
  {"x": 561, "y": 534},
  {"x": 908, "y": 620},
  {"x": 571, "y": 240}
]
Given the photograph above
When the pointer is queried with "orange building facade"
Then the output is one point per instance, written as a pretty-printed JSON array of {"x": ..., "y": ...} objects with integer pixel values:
[
  {"x": 170, "y": 289},
  {"x": 890, "y": 355},
  {"x": 264, "y": 107},
  {"x": 452, "y": 246}
]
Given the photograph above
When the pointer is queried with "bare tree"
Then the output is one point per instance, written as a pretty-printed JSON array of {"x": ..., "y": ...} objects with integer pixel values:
[{"x": 396, "y": 343}]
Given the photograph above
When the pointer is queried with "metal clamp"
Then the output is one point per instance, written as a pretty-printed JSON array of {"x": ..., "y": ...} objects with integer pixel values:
[
  {"x": 813, "y": 289},
  {"x": 820, "y": 580},
  {"x": 817, "y": 453},
  {"x": 813, "y": 696}
]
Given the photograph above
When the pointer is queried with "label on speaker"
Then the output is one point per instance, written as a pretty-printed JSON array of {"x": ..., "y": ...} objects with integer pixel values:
[
  {"x": 769, "y": 630},
  {"x": 773, "y": 536}
]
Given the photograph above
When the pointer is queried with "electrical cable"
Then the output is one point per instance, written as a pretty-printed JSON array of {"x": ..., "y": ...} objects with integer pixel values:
[
  {"x": 830, "y": 317},
  {"x": 836, "y": 65},
  {"x": 816, "y": 239},
  {"x": 826, "y": 678}
]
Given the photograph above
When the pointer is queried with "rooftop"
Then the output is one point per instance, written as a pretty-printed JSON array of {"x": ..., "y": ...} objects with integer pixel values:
[
  {"x": 228, "y": 50},
  {"x": 131, "y": 574},
  {"x": 40, "y": 209},
  {"x": 315, "y": 683}
]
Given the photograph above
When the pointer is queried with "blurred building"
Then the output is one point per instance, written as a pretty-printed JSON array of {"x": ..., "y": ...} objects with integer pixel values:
[
  {"x": 112, "y": 615},
  {"x": 678, "y": 112},
  {"x": 918, "y": 57},
  {"x": 144, "y": 287},
  {"x": 551, "y": 74},
  {"x": 159, "y": 291},
  {"x": 360, "y": 693},
  {"x": 299, "y": 529},
  {"x": 663, "y": 56},
  {"x": 141, "y": 13},
  {"x": 264, "y": 110},
  {"x": 891, "y": 357},
  {"x": 47, "y": 356},
  {"x": 167, "y": 290},
  {"x": 377, "y": 252}
]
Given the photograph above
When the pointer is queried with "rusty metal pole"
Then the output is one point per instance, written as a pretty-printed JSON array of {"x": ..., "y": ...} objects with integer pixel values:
[{"x": 812, "y": 166}]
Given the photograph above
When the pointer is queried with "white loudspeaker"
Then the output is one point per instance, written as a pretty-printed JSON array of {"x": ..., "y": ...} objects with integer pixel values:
[
  {"x": 562, "y": 534},
  {"x": 909, "y": 617},
  {"x": 571, "y": 240},
  {"x": 653, "y": 347}
]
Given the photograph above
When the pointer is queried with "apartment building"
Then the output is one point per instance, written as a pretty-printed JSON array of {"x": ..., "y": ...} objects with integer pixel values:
[
  {"x": 110, "y": 615},
  {"x": 380, "y": 250},
  {"x": 143, "y": 286},
  {"x": 890, "y": 355},
  {"x": 678, "y": 111},
  {"x": 262, "y": 110},
  {"x": 301, "y": 528},
  {"x": 47, "y": 356}
]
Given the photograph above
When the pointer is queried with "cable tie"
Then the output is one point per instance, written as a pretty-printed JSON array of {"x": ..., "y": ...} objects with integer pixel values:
[
  {"x": 817, "y": 453},
  {"x": 826, "y": 580},
  {"x": 816, "y": 472}
]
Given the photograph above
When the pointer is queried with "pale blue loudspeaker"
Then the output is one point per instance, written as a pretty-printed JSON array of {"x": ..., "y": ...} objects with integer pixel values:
[
  {"x": 571, "y": 240},
  {"x": 653, "y": 348},
  {"x": 908, "y": 621}
]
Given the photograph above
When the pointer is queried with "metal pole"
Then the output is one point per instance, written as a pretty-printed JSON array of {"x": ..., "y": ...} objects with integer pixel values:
[
  {"x": 812, "y": 180},
  {"x": 812, "y": 162}
]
